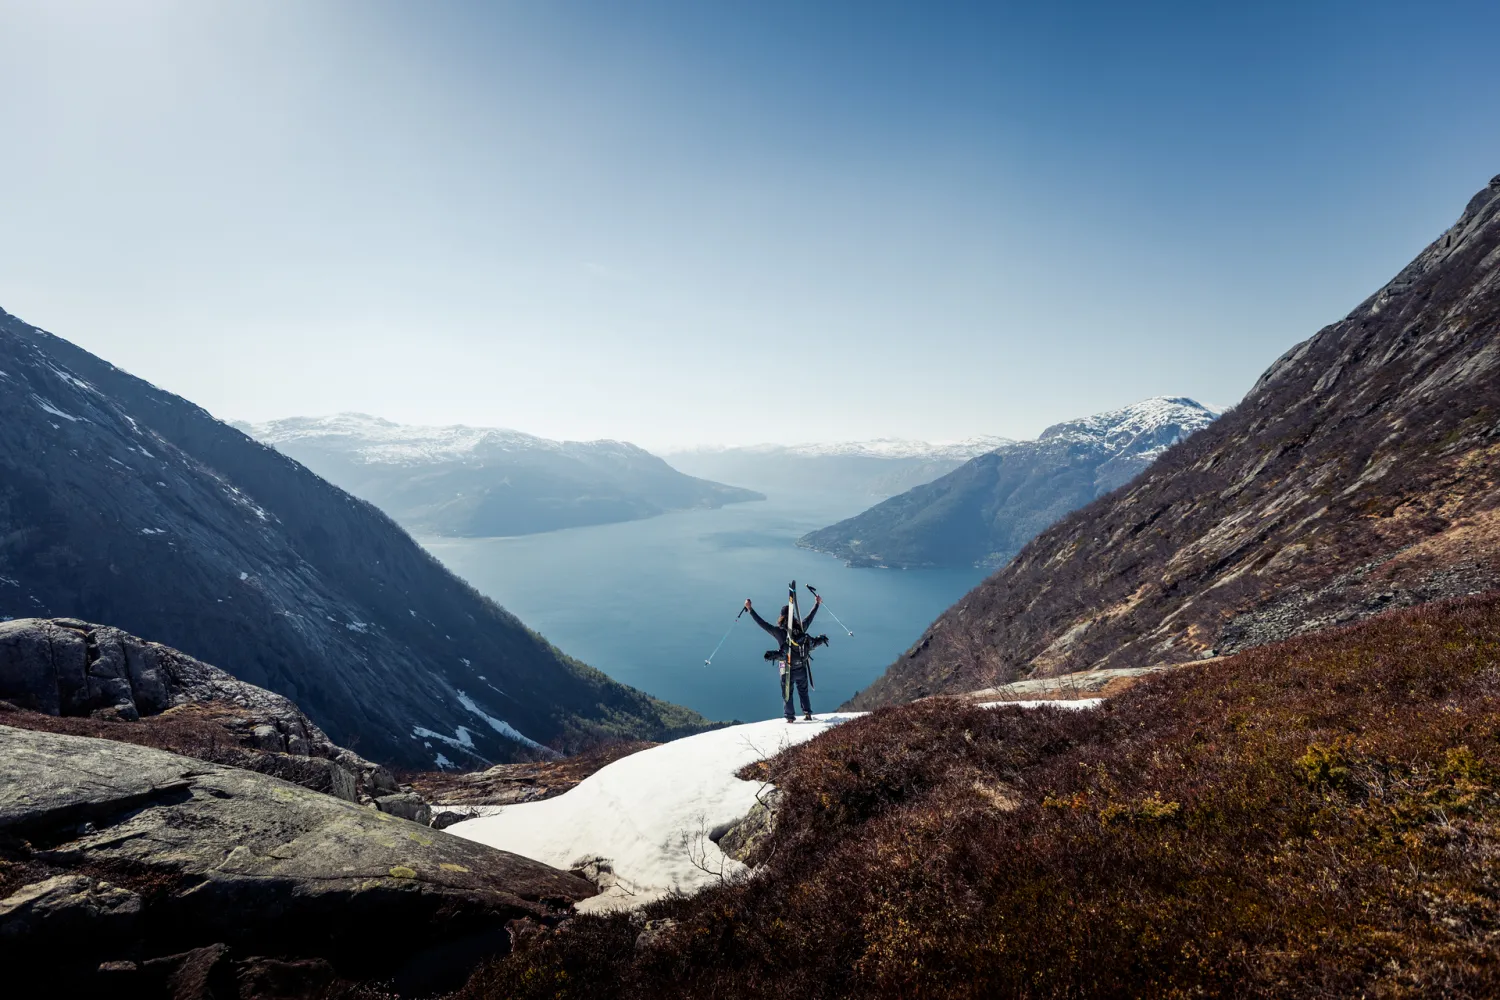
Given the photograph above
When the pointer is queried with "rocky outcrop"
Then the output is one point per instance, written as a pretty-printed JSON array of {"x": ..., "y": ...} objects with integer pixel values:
[
  {"x": 1362, "y": 472},
  {"x": 72, "y": 669},
  {"x": 744, "y": 838},
  {"x": 981, "y": 513},
  {"x": 64, "y": 666},
  {"x": 123, "y": 855},
  {"x": 124, "y": 504}
]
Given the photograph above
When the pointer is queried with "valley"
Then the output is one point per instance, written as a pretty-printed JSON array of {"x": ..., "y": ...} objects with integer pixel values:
[
  {"x": 646, "y": 601},
  {"x": 412, "y": 417}
]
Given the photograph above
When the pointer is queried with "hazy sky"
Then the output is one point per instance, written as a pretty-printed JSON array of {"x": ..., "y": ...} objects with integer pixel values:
[{"x": 724, "y": 221}]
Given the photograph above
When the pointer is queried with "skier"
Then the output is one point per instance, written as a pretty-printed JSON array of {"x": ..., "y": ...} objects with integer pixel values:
[{"x": 793, "y": 652}]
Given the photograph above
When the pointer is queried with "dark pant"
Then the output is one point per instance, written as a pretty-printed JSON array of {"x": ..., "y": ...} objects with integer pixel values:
[{"x": 795, "y": 676}]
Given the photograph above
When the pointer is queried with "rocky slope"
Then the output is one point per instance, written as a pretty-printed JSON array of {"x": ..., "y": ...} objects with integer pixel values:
[
  {"x": 79, "y": 679},
  {"x": 878, "y": 468},
  {"x": 125, "y": 504},
  {"x": 125, "y": 870},
  {"x": 1360, "y": 473},
  {"x": 981, "y": 513},
  {"x": 479, "y": 481}
]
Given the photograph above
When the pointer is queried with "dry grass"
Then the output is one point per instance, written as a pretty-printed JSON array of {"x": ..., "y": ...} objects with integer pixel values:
[{"x": 1319, "y": 818}]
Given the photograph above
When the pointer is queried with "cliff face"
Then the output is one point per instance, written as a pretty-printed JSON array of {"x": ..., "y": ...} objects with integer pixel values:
[
  {"x": 124, "y": 504},
  {"x": 1359, "y": 473}
]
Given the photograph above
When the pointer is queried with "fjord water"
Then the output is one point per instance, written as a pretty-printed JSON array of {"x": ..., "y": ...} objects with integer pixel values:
[{"x": 645, "y": 601}]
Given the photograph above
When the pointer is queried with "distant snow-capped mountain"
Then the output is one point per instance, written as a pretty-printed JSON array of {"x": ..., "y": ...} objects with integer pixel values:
[
  {"x": 982, "y": 512},
  {"x": 378, "y": 441},
  {"x": 1145, "y": 429},
  {"x": 878, "y": 467},
  {"x": 478, "y": 481},
  {"x": 873, "y": 448}
]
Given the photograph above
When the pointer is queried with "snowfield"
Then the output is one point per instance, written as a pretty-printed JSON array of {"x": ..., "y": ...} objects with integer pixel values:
[{"x": 651, "y": 814}]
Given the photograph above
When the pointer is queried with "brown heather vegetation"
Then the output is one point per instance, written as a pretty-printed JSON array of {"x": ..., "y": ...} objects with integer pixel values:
[{"x": 1318, "y": 818}]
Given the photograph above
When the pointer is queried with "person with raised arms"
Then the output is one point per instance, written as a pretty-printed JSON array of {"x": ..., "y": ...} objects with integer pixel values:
[{"x": 793, "y": 653}]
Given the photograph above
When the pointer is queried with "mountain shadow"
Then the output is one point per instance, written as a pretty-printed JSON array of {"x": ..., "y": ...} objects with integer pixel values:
[{"x": 124, "y": 504}]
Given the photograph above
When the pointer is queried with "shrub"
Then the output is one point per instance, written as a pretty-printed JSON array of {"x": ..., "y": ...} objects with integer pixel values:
[{"x": 1313, "y": 819}]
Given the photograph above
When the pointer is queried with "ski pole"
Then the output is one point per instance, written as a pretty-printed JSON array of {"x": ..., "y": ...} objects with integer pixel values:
[
  {"x": 709, "y": 662},
  {"x": 830, "y": 610}
]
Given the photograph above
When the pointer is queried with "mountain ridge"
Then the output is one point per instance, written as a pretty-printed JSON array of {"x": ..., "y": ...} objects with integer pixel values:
[
  {"x": 463, "y": 481},
  {"x": 981, "y": 513},
  {"x": 1360, "y": 473}
]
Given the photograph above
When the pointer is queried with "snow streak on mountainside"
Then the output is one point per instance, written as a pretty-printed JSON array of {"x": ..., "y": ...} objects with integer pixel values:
[
  {"x": 479, "y": 481},
  {"x": 984, "y": 511},
  {"x": 126, "y": 505},
  {"x": 1362, "y": 472}
]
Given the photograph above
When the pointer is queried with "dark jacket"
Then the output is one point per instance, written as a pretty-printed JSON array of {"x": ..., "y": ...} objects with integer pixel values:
[{"x": 777, "y": 632}]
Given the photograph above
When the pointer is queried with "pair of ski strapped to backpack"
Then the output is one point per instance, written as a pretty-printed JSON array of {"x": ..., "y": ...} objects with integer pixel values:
[{"x": 799, "y": 645}]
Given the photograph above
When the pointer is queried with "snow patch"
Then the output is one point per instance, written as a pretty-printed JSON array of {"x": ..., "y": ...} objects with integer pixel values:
[
  {"x": 461, "y": 739},
  {"x": 47, "y": 407},
  {"x": 442, "y": 762},
  {"x": 650, "y": 813},
  {"x": 234, "y": 494},
  {"x": 244, "y": 576},
  {"x": 1077, "y": 704},
  {"x": 72, "y": 379},
  {"x": 363, "y": 628},
  {"x": 153, "y": 531},
  {"x": 10, "y": 581},
  {"x": 498, "y": 725}
]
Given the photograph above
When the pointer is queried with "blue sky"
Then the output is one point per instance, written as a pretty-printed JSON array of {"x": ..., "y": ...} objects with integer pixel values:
[{"x": 730, "y": 222}]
